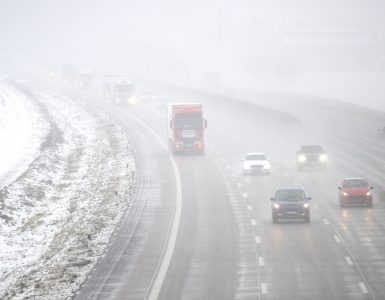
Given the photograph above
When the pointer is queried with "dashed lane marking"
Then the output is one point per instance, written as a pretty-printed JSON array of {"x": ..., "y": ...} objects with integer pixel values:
[
  {"x": 263, "y": 287},
  {"x": 363, "y": 288},
  {"x": 261, "y": 261},
  {"x": 257, "y": 240},
  {"x": 349, "y": 261},
  {"x": 249, "y": 207},
  {"x": 337, "y": 239},
  {"x": 244, "y": 195},
  {"x": 239, "y": 184},
  {"x": 253, "y": 222},
  {"x": 326, "y": 221}
]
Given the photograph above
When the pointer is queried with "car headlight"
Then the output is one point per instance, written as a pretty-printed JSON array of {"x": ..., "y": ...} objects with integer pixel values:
[
  {"x": 132, "y": 100},
  {"x": 301, "y": 158},
  {"x": 306, "y": 205},
  {"x": 368, "y": 194},
  {"x": 276, "y": 205},
  {"x": 267, "y": 165},
  {"x": 323, "y": 158},
  {"x": 345, "y": 193}
]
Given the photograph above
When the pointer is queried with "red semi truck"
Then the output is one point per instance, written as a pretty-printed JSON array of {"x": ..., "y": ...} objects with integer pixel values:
[{"x": 185, "y": 128}]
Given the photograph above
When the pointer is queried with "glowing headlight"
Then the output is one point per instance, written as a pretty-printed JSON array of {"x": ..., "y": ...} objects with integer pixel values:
[
  {"x": 267, "y": 165},
  {"x": 132, "y": 100},
  {"x": 368, "y": 193},
  {"x": 306, "y": 205},
  {"x": 345, "y": 193},
  {"x": 301, "y": 158},
  {"x": 276, "y": 205},
  {"x": 323, "y": 158}
]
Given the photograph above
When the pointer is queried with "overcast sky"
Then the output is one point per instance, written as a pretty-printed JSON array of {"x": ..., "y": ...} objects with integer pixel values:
[{"x": 187, "y": 34}]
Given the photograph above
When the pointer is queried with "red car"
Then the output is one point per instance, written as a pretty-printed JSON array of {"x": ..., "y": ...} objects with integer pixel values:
[{"x": 355, "y": 191}]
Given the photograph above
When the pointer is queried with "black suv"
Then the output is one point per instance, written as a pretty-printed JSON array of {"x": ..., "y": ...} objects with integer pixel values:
[
  {"x": 290, "y": 203},
  {"x": 311, "y": 156}
]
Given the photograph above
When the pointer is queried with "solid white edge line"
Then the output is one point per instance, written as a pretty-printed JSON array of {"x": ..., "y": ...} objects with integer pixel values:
[
  {"x": 326, "y": 221},
  {"x": 166, "y": 260},
  {"x": 244, "y": 195},
  {"x": 363, "y": 288},
  {"x": 253, "y": 222},
  {"x": 257, "y": 240},
  {"x": 349, "y": 261},
  {"x": 249, "y": 207}
]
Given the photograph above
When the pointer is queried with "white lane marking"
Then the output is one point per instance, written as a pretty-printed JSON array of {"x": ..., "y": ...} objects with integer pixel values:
[
  {"x": 158, "y": 279},
  {"x": 337, "y": 239},
  {"x": 244, "y": 195},
  {"x": 253, "y": 222},
  {"x": 362, "y": 152},
  {"x": 257, "y": 240},
  {"x": 261, "y": 261},
  {"x": 263, "y": 287},
  {"x": 217, "y": 153},
  {"x": 349, "y": 261},
  {"x": 239, "y": 184},
  {"x": 222, "y": 159},
  {"x": 228, "y": 167},
  {"x": 315, "y": 206},
  {"x": 249, "y": 207},
  {"x": 363, "y": 288},
  {"x": 326, "y": 221},
  {"x": 235, "y": 175}
]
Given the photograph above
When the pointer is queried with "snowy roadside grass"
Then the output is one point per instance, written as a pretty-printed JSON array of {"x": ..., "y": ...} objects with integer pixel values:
[
  {"x": 62, "y": 211},
  {"x": 22, "y": 129}
]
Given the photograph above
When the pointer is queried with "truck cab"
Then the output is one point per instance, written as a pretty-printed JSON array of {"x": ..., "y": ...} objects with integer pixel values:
[{"x": 186, "y": 128}]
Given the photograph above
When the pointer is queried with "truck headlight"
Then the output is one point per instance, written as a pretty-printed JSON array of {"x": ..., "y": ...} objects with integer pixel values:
[
  {"x": 301, "y": 158},
  {"x": 306, "y": 205},
  {"x": 345, "y": 193},
  {"x": 276, "y": 205},
  {"x": 368, "y": 194},
  {"x": 323, "y": 158},
  {"x": 267, "y": 165}
]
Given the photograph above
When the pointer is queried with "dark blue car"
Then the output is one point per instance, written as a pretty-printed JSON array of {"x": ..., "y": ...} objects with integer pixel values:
[{"x": 290, "y": 203}]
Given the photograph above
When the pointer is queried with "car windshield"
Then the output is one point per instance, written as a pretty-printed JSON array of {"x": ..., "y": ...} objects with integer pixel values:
[
  {"x": 351, "y": 183},
  {"x": 255, "y": 157},
  {"x": 291, "y": 195},
  {"x": 311, "y": 149},
  {"x": 188, "y": 121},
  {"x": 123, "y": 88}
]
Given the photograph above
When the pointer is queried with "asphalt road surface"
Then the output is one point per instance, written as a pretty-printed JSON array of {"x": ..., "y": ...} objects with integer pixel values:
[{"x": 200, "y": 230}]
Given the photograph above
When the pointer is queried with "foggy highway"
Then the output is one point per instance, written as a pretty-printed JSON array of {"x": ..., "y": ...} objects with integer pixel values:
[
  {"x": 161, "y": 150},
  {"x": 227, "y": 246}
]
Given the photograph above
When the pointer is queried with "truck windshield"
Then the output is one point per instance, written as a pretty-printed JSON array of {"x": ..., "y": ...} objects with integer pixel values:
[{"x": 188, "y": 121}]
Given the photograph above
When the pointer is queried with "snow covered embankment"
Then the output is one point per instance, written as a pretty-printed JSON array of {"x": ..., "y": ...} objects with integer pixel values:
[
  {"x": 78, "y": 187},
  {"x": 22, "y": 130}
]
